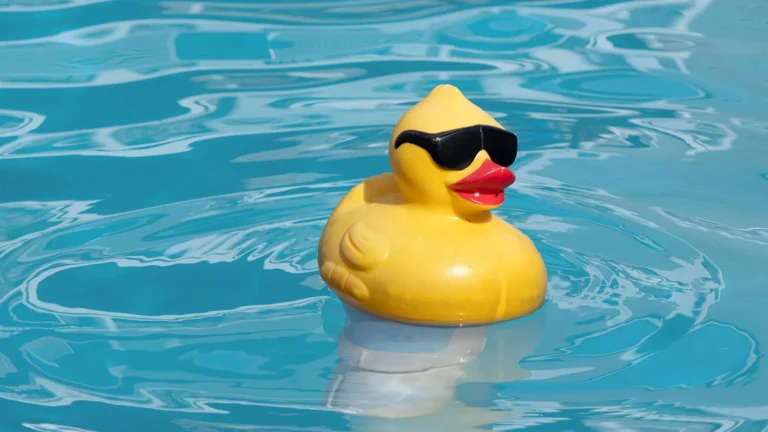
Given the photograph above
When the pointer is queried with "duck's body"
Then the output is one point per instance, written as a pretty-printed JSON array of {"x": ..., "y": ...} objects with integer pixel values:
[
  {"x": 417, "y": 261},
  {"x": 411, "y": 264}
]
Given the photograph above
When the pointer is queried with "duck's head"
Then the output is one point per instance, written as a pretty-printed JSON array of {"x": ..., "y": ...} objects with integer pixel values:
[{"x": 447, "y": 152}]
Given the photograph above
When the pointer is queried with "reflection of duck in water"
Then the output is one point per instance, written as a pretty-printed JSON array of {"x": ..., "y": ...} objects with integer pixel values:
[
  {"x": 403, "y": 377},
  {"x": 420, "y": 244}
]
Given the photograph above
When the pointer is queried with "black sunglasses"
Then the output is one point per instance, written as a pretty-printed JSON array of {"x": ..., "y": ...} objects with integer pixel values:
[{"x": 456, "y": 149}]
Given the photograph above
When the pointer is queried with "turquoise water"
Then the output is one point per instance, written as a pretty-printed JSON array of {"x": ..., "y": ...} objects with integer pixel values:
[{"x": 166, "y": 168}]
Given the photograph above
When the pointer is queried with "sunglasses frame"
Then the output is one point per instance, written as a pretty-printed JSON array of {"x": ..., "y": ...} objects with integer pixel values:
[{"x": 431, "y": 143}]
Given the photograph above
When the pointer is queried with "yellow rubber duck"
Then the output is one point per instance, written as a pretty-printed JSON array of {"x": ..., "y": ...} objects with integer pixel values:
[{"x": 420, "y": 244}]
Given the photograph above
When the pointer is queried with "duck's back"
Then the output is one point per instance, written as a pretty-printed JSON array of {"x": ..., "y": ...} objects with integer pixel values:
[{"x": 377, "y": 189}]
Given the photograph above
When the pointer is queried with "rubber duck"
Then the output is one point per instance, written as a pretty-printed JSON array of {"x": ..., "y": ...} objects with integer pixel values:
[{"x": 420, "y": 244}]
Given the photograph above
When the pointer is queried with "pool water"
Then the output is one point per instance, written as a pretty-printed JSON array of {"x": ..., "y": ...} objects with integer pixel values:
[{"x": 166, "y": 168}]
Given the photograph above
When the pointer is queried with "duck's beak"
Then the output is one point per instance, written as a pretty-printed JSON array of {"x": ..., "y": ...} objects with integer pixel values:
[{"x": 485, "y": 186}]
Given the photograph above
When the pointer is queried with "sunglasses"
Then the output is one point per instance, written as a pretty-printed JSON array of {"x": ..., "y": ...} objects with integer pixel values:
[{"x": 456, "y": 149}]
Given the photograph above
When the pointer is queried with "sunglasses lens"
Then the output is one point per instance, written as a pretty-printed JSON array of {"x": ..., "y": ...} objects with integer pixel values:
[
  {"x": 458, "y": 149},
  {"x": 501, "y": 145}
]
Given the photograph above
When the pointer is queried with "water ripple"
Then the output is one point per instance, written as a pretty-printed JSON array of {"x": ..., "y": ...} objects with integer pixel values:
[{"x": 44, "y": 5}]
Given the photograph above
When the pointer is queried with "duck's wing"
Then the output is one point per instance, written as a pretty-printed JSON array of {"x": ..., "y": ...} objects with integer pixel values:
[{"x": 363, "y": 248}]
